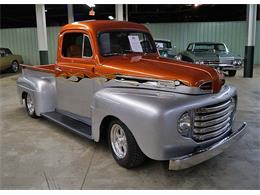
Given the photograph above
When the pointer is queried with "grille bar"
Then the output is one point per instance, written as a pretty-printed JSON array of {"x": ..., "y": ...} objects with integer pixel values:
[
  {"x": 212, "y": 128},
  {"x": 214, "y": 108},
  {"x": 212, "y": 121},
  {"x": 213, "y": 134},
  {"x": 214, "y": 115}
]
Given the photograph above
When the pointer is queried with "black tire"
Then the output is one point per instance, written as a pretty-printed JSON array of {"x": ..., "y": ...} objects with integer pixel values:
[
  {"x": 232, "y": 73},
  {"x": 15, "y": 66},
  {"x": 29, "y": 110},
  {"x": 134, "y": 156}
]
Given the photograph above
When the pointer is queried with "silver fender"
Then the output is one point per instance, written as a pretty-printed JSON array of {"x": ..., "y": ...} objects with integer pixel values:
[
  {"x": 152, "y": 117},
  {"x": 41, "y": 87}
]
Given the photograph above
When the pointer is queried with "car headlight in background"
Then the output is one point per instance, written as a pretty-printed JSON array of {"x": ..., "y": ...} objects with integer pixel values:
[
  {"x": 185, "y": 124},
  {"x": 237, "y": 62},
  {"x": 199, "y": 62},
  {"x": 178, "y": 57}
]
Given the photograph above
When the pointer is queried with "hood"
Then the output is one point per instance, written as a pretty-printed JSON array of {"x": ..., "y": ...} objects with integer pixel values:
[{"x": 192, "y": 75}]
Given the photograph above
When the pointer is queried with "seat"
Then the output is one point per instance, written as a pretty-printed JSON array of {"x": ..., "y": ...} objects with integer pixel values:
[{"x": 74, "y": 51}]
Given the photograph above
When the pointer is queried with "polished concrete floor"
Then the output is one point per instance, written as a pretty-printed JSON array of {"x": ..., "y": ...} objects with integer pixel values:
[{"x": 37, "y": 154}]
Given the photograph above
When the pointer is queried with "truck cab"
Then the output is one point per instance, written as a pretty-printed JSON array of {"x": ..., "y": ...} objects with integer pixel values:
[{"x": 109, "y": 81}]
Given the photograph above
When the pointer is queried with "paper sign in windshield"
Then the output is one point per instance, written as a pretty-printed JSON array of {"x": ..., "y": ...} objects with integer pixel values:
[
  {"x": 135, "y": 43},
  {"x": 159, "y": 45}
]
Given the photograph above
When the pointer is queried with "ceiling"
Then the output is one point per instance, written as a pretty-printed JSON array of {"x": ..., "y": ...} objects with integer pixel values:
[{"x": 13, "y": 16}]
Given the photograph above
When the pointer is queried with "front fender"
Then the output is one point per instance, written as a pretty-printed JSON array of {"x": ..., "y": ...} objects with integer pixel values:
[{"x": 152, "y": 117}]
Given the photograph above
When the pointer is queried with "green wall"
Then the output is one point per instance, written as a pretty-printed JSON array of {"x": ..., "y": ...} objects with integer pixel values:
[{"x": 24, "y": 40}]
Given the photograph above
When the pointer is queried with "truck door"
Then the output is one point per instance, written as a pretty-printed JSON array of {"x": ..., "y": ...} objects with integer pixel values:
[{"x": 74, "y": 71}]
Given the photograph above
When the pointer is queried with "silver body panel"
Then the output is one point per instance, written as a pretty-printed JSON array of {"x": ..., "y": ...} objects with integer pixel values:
[{"x": 150, "y": 113}]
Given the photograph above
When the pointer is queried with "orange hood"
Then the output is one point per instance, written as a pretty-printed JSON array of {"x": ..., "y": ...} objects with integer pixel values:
[{"x": 161, "y": 68}]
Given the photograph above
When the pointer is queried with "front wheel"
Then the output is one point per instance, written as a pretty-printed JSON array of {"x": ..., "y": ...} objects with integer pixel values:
[
  {"x": 30, "y": 106},
  {"x": 232, "y": 73},
  {"x": 124, "y": 148}
]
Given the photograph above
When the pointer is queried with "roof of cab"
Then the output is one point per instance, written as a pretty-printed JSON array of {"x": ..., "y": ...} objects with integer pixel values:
[{"x": 103, "y": 25}]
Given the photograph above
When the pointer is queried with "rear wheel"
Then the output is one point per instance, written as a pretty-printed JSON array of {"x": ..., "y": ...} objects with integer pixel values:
[
  {"x": 124, "y": 148},
  {"x": 15, "y": 66},
  {"x": 232, "y": 73},
  {"x": 30, "y": 106}
]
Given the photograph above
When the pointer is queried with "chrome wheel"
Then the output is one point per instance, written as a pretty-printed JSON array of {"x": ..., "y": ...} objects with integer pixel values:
[
  {"x": 15, "y": 66},
  {"x": 118, "y": 141},
  {"x": 30, "y": 105}
]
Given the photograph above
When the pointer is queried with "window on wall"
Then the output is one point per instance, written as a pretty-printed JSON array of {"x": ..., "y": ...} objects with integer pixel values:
[{"x": 76, "y": 45}]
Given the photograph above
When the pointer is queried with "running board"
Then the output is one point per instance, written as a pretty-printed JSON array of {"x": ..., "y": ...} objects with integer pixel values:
[{"x": 74, "y": 125}]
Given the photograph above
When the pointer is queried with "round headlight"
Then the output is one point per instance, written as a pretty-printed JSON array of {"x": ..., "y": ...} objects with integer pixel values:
[{"x": 184, "y": 124}]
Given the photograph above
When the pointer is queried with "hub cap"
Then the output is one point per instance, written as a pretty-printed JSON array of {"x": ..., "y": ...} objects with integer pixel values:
[
  {"x": 30, "y": 104},
  {"x": 15, "y": 66},
  {"x": 118, "y": 141}
]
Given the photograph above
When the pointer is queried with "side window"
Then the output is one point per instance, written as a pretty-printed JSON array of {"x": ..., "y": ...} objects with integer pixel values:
[
  {"x": 8, "y": 52},
  {"x": 2, "y": 53},
  {"x": 87, "y": 52},
  {"x": 189, "y": 48},
  {"x": 72, "y": 45}
]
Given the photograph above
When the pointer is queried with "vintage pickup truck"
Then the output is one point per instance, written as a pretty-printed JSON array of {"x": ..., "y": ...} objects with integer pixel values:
[{"x": 110, "y": 82}]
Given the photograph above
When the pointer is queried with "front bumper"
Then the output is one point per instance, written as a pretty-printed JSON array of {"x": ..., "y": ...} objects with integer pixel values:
[
  {"x": 197, "y": 157},
  {"x": 226, "y": 66}
]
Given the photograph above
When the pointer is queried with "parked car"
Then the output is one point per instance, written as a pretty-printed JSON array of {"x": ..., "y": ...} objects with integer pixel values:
[
  {"x": 165, "y": 48},
  {"x": 9, "y": 60},
  {"x": 109, "y": 81},
  {"x": 212, "y": 54}
]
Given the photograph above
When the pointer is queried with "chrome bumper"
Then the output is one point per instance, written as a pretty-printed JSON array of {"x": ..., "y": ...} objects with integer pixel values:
[
  {"x": 192, "y": 159},
  {"x": 226, "y": 66}
]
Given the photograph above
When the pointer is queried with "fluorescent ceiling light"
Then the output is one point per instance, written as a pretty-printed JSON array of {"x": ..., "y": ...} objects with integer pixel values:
[
  {"x": 111, "y": 18},
  {"x": 91, "y": 4}
]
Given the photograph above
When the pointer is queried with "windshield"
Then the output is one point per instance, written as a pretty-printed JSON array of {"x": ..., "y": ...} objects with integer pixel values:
[
  {"x": 123, "y": 42},
  {"x": 209, "y": 47}
]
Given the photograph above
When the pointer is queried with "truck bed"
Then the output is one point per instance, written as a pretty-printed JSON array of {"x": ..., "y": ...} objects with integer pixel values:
[{"x": 50, "y": 68}]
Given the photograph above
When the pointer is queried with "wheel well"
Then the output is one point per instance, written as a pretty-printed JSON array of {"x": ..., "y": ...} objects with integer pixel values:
[
  {"x": 104, "y": 127},
  {"x": 24, "y": 94}
]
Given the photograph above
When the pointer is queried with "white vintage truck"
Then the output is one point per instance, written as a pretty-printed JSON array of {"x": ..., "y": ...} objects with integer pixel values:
[{"x": 109, "y": 81}]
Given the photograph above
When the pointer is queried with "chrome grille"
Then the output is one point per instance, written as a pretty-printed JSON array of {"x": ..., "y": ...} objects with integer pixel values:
[
  {"x": 211, "y": 62},
  {"x": 212, "y": 121}
]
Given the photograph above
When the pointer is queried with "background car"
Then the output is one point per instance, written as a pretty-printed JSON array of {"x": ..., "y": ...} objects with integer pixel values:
[
  {"x": 212, "y": 54},
  {"x": 165, "y": 48},
  {"x": 9, "y": 60}
]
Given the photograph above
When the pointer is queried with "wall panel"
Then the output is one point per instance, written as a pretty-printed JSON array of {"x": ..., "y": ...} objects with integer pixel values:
[{"x": 24, "y": 40}]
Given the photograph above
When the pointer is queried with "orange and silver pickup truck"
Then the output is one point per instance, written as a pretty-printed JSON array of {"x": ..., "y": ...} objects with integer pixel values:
[{"x": 110, "y": 82}]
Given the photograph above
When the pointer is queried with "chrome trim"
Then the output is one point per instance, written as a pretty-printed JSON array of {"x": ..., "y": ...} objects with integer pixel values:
[
  {"x": 212, "y": 122},
  {"x": 212, "y": 128},
  {"x": 202, "y": 137},
  {"x": 199, "y": 156},
  {"x": 214, "y": 115},
  {"x": 213, "y": 108}
]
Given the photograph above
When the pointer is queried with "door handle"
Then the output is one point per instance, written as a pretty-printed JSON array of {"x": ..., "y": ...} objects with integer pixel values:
[{"x": 58, "y": 69}]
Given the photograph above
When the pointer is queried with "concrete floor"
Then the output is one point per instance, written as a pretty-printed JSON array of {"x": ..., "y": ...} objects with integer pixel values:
[{"x": 38, "y": 154}]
